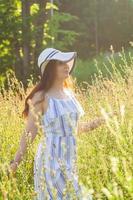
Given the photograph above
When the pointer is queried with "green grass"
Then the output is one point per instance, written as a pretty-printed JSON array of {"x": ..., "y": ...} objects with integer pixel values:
[
  {"x": 104, "y": 155},
  {"x": 105, "y": 63}
]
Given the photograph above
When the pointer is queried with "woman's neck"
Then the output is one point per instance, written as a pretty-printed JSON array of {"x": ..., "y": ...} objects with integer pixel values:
[{"x": 58, "y": 86}]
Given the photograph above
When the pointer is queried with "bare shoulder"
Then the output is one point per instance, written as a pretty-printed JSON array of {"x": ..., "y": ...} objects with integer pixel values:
[
  {"x": 39, "y": 101},
  {"x": 37, "y": 97}
]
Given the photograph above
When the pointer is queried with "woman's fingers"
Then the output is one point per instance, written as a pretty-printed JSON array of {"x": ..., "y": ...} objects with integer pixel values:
[{"x": 11, "y": 171}]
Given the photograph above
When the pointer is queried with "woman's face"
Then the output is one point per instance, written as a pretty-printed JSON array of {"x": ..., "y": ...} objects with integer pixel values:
[{"x": 62, "y": 69}]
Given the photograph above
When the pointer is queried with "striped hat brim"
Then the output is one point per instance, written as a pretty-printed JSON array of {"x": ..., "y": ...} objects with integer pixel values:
[{"x": 68, "y": 57}]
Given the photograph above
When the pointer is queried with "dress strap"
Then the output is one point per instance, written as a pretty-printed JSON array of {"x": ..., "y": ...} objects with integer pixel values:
[{"x": 70, "y": 92}]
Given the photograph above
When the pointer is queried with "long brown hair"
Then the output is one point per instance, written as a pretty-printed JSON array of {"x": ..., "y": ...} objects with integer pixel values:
[{"x": 45, "y": 84}]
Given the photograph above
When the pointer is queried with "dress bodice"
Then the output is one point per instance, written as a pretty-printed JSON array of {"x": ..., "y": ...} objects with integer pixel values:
[{"x": 62, "y": 115}]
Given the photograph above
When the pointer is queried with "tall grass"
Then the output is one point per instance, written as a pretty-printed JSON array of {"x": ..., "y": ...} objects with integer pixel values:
[{"x": 104, "y": 155}]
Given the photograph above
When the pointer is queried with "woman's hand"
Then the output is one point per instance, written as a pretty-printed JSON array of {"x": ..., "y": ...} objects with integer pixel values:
[
  {"x": 12, "y": 168},
  {"x": 94, "y": 123}
]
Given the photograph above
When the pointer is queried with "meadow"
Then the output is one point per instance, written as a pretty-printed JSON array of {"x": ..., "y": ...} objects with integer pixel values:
[{"x": 105, "y": 157}]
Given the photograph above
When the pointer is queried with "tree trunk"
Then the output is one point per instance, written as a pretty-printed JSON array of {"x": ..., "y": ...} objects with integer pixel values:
[
  {"x": 26, "y": 39},
  {"x": 39, "y": 24}
]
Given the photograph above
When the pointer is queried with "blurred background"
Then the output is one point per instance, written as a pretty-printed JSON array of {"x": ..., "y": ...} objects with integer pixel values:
[{"x": 89, "y": 27}]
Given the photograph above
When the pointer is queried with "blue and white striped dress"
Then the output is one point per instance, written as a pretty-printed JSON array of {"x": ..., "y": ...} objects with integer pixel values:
[{"x": 55, "y": 169}]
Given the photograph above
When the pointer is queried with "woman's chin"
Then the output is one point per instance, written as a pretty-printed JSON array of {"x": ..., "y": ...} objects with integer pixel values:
[{"x": 66, "y": 75}]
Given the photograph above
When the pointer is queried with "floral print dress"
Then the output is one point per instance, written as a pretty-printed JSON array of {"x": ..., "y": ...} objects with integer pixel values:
[{"x": 55, "y": 169}]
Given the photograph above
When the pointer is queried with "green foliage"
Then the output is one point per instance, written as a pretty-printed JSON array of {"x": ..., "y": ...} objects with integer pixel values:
[
  {"x": 51, "y": 5},
  {"x": 10, "y": 31},
  {"x": 26, "y": 29},
  {"x": 57, "y": 34}
]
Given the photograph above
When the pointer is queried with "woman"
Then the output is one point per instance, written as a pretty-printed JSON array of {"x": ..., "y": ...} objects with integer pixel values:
[{"x": 60, "y": 111}]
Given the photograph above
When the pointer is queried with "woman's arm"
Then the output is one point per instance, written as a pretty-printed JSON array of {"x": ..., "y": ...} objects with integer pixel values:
[
  {"x": 92, "y": 124},
  {"x": 29, "y": 133}
]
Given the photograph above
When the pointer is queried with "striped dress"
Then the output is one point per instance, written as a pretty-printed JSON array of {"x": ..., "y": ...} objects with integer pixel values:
[{"x": 55, "y": 169}]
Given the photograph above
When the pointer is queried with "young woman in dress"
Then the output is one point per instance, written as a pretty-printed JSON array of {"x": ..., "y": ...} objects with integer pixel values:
[{"x": 53, "y": 97}]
